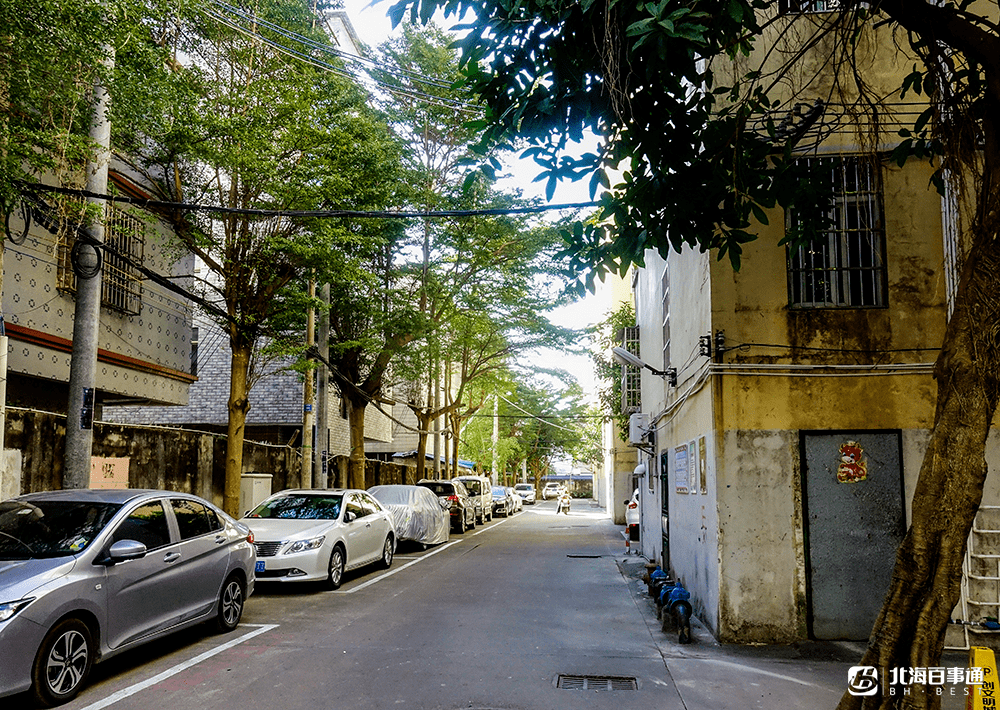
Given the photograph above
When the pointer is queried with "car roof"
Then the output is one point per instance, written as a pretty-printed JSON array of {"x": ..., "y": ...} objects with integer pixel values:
[
  {"x": 316, "y": 491},
  {"x": 99, "y": 495}
]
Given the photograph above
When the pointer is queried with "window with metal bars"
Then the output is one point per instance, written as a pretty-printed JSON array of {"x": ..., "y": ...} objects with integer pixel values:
[
  {"x": 121, "y": 286},
  {"x": 845, "y": 267},
  {"x": 631, "y": 376},
  {"x": 798, "y": 7},
  {"x": 665, "y": 312}
]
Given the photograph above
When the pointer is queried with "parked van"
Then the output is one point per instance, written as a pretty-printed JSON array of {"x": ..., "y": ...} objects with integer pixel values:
[{"x": 480, "y": 490}]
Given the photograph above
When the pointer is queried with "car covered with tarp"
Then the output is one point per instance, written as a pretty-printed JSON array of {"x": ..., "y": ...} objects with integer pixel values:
[{"x": 416, "y": 512}]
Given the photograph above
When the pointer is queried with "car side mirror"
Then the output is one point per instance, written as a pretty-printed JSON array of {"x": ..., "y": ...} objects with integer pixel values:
[
  {"x": 350, "y": 517},
  {"x": 124, "y": 550}
]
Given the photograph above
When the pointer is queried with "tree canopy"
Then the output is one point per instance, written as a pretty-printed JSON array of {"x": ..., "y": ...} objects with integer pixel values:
[{"x": 696, "y": 103}]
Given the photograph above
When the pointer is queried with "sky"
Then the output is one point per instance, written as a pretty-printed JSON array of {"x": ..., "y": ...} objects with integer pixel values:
[{"x": 373, "y": 28}]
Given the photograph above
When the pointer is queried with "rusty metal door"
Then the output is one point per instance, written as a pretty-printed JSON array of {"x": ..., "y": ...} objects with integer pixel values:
[{"x": 854, "y": 521}]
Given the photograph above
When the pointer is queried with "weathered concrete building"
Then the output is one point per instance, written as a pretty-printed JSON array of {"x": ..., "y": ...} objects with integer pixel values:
[{"x": 780, "y": 468}]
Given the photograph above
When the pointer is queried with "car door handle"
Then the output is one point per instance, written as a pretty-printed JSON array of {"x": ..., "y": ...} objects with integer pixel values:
[
  {"x": 171, "y": 557},
  {"x": 220, "y": 539}
]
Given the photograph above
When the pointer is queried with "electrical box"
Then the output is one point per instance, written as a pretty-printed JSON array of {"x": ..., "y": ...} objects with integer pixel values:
[
  {"x": 254, "y": 488},
  {"x": 638, "y": 424}
]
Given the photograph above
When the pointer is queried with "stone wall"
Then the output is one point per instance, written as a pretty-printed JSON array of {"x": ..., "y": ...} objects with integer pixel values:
[{"x": 158, "y": 457}]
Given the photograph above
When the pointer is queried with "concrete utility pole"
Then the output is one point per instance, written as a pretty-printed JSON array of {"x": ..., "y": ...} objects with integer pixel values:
[
  {"x": 435, "y": 371},
  {"x": 322, "y": 400},
  {"x": 307, "y": 398},
  {"x": 86, "y": 322},
  {"x": 3, "y": 375},
  {"x": 496, "y": 440}
]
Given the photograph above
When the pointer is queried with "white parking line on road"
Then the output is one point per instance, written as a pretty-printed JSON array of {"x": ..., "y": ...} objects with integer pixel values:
[
  {"x": 133, "y": 689},
  {"x": 396, "y": 569},
  {"x": 414, "y": 561},
  {"x": 498, "y": 522}
]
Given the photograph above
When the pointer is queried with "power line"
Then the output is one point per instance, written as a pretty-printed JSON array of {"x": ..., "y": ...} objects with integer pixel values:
[
  {"x": 320, "y": 64},
  {"x": 314, "y": 214}
]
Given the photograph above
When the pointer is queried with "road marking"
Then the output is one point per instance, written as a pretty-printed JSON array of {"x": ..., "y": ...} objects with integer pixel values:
[
  {"x": 413, "y": 561},
  {"x": 394, "y": 570},
  {"x": 132, "y": 690},
  {"x": 751, "y": 669},
  {"x": 495, "y": 524}
]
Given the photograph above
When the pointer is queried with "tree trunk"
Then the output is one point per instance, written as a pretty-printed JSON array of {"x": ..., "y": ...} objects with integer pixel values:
[
  {"x": 356, "y": 425},
  {"x": 423, "y": 421},
  {"x": 239, "y": 405},
  {"x": 926, "y": 581}
]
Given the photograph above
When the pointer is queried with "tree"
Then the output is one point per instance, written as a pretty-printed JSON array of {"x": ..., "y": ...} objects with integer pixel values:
[
  {"x": 474, "y": 275},
  {"x": 707, "y": 148},
  {"x": 260, "y": 134},
  {"x": 608, "y": 370}
]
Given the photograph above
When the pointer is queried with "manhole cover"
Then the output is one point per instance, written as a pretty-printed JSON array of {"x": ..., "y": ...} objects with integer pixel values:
[{"x": 596, "y": 682}]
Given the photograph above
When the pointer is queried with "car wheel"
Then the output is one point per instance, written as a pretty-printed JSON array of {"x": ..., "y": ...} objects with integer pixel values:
[
  {"x": 335, "y": 575},
  {"x": 63, "y": 663},
  {"x": 230, "y": 609},
  {"x": 386, "y": 561}
]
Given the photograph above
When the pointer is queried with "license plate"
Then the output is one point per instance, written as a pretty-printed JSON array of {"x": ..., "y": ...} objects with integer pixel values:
[{"x": 260, "y": 567}]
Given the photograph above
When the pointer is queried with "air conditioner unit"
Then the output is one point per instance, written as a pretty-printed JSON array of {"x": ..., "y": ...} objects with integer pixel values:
[{"x": 638, "y": 425}]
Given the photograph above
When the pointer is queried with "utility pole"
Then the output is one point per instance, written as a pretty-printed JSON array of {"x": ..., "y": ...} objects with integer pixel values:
[
  {"x": 320, "y": 473},
  {"x": 496, "y": 440},
  {"x": 307, "y": 397},
  {"x": 435, "y": 371},
  {"x": 87, "y": 319}
]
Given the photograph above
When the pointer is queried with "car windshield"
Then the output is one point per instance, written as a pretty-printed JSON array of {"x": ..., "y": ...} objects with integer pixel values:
[
  {"x": 522, "y": 487},
  {"x": 45, "y": 528},
  {"x": 499, "y": 491},
  {"x": 472, "y": 486},
  {"x": 299, "y": 507}
]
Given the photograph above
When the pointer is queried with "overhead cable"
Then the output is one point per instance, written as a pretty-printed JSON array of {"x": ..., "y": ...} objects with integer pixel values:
[{"x": 317, "y": 214}]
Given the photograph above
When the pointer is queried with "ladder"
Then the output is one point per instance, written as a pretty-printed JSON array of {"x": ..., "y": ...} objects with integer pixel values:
[{"x": 980, "y": 595}]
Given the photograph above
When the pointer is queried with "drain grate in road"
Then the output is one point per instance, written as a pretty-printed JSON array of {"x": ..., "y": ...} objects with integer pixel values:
[{"x": 596, "y": 682}]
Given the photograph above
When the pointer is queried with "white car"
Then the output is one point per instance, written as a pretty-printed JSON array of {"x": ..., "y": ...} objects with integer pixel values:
[
  {"x": 527, "y": 492},
  {"x": 551, "y": 490},
  {"x": 315, "y": 535},
  {"x": 632, "y": 515}
]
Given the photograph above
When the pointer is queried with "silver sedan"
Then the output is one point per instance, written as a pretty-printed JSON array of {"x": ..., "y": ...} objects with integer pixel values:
[
  {"x": 314, "y": 535},
  {"x": 88, "y": 574}
]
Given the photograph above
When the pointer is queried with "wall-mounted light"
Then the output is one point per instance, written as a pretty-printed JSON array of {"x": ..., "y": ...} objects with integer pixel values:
[{"x": 624, "y": 357}]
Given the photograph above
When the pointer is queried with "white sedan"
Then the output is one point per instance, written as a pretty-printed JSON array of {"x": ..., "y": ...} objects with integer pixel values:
[
  {"x": 315, "y": 535},
  {"x": 527, "y": 492}
]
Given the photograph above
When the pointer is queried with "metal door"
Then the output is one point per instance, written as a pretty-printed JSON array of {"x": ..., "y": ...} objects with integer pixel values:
[{"x": 853, "y": 512}]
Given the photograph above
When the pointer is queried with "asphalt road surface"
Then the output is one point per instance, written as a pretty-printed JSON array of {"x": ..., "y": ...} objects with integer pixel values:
[{"x": 498, "y": 617}]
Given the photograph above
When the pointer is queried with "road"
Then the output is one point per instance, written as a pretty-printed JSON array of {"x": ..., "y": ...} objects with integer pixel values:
[{"x": 490, "y": 619}]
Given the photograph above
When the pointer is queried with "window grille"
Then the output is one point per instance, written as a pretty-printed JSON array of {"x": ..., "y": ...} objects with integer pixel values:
[
  {"x": 631, "y": 376},
  {"x": 121, "y": 285},
  {"x": 845, "y": 268},
  {"x": 797, "y": 7},
  {"x": 195, "y": 340},
  {"x": 665, "y": 312}
]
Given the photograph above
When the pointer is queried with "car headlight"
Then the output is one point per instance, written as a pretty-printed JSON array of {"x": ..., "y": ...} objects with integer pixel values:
[
  {"x": 8, "y": 609},
  {"x": 306, "y": 545}
]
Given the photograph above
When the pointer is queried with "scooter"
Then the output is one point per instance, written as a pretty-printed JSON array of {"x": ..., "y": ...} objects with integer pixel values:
[{"x": 563, "y": 505}]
